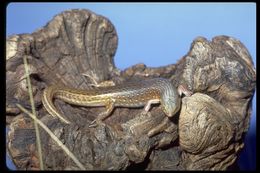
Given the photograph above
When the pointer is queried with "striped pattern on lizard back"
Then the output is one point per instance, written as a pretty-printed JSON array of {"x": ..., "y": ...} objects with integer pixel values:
[{"x": 129, "y": 94}]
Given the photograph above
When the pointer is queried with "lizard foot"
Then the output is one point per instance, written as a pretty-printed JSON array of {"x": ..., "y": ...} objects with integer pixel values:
[{"x": 145, "y": 113}]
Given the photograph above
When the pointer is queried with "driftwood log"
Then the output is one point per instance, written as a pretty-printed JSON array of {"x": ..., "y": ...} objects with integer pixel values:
[{"x": 206, "y": 134}]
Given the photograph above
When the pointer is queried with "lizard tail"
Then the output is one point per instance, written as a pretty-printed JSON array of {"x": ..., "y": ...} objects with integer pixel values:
[{"x": 47, "y": 97}]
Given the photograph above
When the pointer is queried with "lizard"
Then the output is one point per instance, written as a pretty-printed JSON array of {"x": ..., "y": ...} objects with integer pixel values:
[{"x": 141, "y": 93}]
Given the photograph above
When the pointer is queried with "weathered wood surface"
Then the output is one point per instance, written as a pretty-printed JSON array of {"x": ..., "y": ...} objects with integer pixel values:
[{"x": 207, "y": 133}]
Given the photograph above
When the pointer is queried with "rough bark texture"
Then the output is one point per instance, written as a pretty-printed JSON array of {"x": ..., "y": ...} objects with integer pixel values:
[{"x": 206, "y": 134}]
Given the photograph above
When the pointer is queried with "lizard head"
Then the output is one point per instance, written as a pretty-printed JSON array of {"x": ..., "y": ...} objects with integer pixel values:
[{"x": 171, "y": 104}]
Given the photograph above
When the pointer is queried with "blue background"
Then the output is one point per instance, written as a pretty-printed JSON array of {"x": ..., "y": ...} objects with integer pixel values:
[{"x": 156, "y": 34}]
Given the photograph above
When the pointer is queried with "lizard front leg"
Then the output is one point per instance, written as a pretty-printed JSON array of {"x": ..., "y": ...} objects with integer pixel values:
[
  {"x": 109, "y": 108},
  {"x": 148, "y": 106},
  {"x": 183, "y": 90}
]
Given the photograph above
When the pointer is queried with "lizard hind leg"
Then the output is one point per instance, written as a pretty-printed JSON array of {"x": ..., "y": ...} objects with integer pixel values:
[
  {"x": 96, "y": 84},
  {"x": 109, "y": 108}
]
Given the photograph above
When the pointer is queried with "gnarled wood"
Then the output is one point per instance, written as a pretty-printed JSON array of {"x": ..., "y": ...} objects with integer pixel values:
[{"x": 206, "y": 134}]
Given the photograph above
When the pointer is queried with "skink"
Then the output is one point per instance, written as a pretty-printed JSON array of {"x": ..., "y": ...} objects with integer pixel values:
[{"x": 142, "y": 93}]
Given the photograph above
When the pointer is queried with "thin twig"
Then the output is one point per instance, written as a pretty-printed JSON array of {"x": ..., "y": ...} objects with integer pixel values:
[
  {"x": 38, "y": 139},
  {"x": 59, "y": 143}
]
